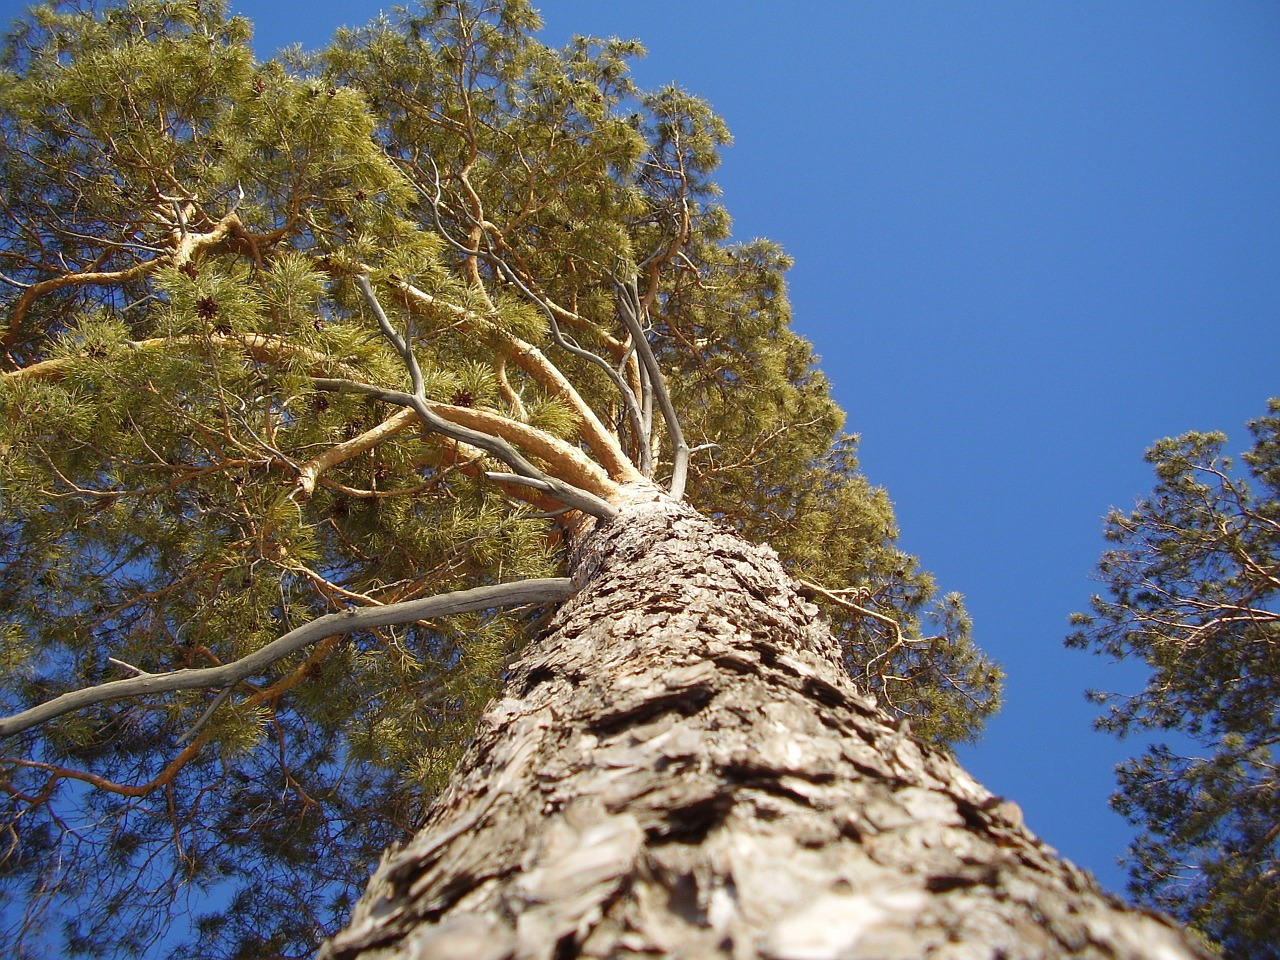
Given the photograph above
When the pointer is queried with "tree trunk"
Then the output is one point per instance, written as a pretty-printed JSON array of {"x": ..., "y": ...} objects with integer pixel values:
[{"x": 681, "y": 767}]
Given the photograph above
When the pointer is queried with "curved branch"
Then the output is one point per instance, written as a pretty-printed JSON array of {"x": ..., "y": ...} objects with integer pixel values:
[
  {"x": 161, "y": 779},
  {"x": 348, "y": 621},
  {"x": 835, "y": 597},
  {"x": 839, "y": 598},
  {"x": 103, "y": 277}
]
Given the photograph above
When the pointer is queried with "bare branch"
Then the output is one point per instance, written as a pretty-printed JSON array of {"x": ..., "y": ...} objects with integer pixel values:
[
  {"x": 631, "y": 310},
  {"x": 402, "y": 344},
  {"x": 333, "y": 624},
  {"x": 566, "y": 493},
  {"x": 519, "y": 481},
  {"x": 205, "y": 717}
]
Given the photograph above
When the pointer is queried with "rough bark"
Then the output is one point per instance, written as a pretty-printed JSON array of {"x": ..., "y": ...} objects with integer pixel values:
[{"x": 681, "y": 767}]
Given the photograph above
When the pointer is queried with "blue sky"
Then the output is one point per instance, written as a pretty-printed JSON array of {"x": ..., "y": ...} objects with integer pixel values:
[{"x": 1030, "y": 238}]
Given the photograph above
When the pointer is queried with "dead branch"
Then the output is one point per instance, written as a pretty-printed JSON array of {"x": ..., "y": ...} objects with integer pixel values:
[{"x": 348, "y": 621}]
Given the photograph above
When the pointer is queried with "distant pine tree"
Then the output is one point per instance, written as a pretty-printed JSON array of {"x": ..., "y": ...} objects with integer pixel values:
[{"x": 1193, "y": 583}]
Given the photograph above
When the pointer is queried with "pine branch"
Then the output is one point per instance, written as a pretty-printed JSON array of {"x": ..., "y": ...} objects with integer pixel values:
[
  {"x": 629, "y": 400},
  {"x": 311, "y": 471},
  {"x": 567, "y": 493},
  {"x": 348, "y": 621},
  {"x": 262, "y": 347},
  {"x": 186, "y": 246}
]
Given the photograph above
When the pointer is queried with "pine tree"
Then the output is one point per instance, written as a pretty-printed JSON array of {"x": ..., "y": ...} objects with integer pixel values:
[
  {"x": 324, "y": 378},
  {"x": 1192, "y": 578}
]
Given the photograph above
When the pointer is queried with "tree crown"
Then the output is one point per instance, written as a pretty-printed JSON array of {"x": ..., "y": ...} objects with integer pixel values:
[{"x": 289, "y": 338}]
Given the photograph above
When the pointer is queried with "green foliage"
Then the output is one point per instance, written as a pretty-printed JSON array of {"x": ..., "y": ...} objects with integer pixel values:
[
  {"x": 1193, "y": 578},
  {"x": 182, "y": 226}
]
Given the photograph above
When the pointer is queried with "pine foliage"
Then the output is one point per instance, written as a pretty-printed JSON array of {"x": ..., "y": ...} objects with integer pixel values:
[
  {"x": 183, "y": 477},
  {"x": 1193, "y": 580}
]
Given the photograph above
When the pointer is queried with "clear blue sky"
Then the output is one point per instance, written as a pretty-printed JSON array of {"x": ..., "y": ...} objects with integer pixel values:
[{"x": 1031, "y": 238}]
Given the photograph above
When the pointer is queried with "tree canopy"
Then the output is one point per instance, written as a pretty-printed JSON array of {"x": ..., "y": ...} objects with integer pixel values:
[
  {"x": 1193, "y": 578},
  {"x": 342, "y": 331}
]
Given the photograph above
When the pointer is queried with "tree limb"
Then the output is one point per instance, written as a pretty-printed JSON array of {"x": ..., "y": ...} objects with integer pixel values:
[
  {"x": 585, "y": 471},
  {"x": 261, "y": 347},
  {"x": 310, "y": 472},
  {"x": 567, "y": 493},
  {"x": 185, "y": 246},
  {"x": 629, "y": 401},
  {"x": 631, "y": 309},
  {"x": 348, "y": 621}
]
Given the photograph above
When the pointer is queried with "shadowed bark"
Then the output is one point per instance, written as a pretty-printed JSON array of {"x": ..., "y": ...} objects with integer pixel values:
[{"x": 680, "y": 767}]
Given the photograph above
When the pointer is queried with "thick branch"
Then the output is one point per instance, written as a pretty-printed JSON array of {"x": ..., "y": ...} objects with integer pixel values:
[
  {"x": 348, "y": 621},
  {"x": 311, "y": 471},
  {"x": 261, "y": 347},
  {"x": 548, "y": 376},
  {"x": 488, "y": 431},
  {"x": 629, "y": 401},
  {"x": 599, "y": 438},
  {"x": 494, "y": 443}
]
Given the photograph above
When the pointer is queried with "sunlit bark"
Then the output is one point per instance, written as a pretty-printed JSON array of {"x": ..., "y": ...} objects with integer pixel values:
[{"x": 681, "y": 767}]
